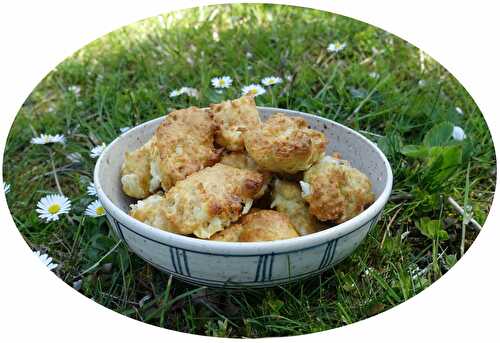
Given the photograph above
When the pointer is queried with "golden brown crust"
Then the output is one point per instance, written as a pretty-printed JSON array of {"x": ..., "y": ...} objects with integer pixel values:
[
  {"x": 287, "y": 199},
  {"x": 150, "y": 211},
  {"x": 336, "y": 191},
  {"x": 242, "y": 160},
  {"x": 230, "y": 234},
  {"x": 210, "y": 200},
  {"x": 184, "y": 144},
  {"x": 239, "y": 160},
  {"x": 285, "y": 144},
  {"x": 137, "y": 180},
  {"x": 266, "y": 225},
  {"x": 232, "y": 119},
  {"x": 258, "y": 226}
]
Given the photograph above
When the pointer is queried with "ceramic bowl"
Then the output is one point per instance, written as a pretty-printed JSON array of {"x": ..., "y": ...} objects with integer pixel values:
[{"x": 242, "y": 265}]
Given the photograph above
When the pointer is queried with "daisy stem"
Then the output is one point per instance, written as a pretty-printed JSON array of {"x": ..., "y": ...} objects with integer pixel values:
[
  {"x": 367, "y": 98},
  {"x": 466, "y": 214},
  {"x": 473, "y": 223},
  {"x": 98, "y": 262},
  {"x": 54, "y": 172},
  {"x": 77, "y": 237}
]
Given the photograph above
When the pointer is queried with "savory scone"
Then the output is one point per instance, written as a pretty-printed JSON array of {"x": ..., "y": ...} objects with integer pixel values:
[
  {"x": 184, "y": 144},
  {"x": 285, "y": 144},
  {"x": 258, "y": 226},
  {"x": 229, "y": 234},
  {"x": 149, "y": 211},
  {"x": 242, "y": 160},
  {"x": 137, "y": 179},
  {"x": 335, "y": 190},
  {"x": 232, "y": 118},
  {"x": 210, "y": 200},
  {"x": 287, "y": 199},
  {"x": 266, "y": 225}
]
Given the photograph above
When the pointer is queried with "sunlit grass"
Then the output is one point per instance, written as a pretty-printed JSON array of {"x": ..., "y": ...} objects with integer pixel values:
[{"x": 125, "y": 79}]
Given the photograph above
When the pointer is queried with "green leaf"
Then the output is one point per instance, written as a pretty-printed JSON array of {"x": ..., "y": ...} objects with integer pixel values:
[
  {"x": 432, "y": 229},
  {"x": 415, "y": 151},
  {"x": 444, "y": 160},
  {"x": 390, "y": 145},
  {"x": 275, "y": 305},
  {"x": 439, "y": 135},
  {"x": 450, "y": 260}
]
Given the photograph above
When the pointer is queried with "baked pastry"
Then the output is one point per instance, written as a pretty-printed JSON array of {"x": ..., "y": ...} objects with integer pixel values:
[
  {"x": 258, "y": 226},
  {"x": 239, "y": 160},
  {"x": 229, "y": 234},
  {"x": 285, "y": 144},
  {"x": 336, "y": 191},
  {"x": 137, "y": 179},
  {"x": 242, "y": 160},
  {"x": 184, "y": 144},
  {"x": 287, "y": 198},
  {"x": 210, "y": 200},
  {"x": 149, "y": 211},
  {"x": 232, "y": 118}
]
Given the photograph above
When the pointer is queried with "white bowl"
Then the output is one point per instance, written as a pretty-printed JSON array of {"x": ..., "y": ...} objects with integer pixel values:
[{"x": 239, "y": 265}]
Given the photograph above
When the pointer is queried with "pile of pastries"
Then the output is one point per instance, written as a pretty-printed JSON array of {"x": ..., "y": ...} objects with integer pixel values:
[{"x": 223, "y": 174}]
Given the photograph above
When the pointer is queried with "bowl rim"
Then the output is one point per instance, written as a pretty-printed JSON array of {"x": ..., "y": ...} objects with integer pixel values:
[{"x": 246, "y": 248}]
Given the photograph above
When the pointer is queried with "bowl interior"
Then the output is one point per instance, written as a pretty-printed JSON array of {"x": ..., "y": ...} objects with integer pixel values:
[{"x": 353, "y": 147}]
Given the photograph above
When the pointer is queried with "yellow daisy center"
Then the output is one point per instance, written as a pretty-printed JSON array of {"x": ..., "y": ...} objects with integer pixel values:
[
  {"x": 222, "y": 82},
  {"x": 100, "y": 211},
  {"x": 54, "y": 208},
  {"x": 252, "y": 91}
]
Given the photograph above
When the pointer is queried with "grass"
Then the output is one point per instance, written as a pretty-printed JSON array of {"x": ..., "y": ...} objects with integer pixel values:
[{"x": 125, "y": 79}]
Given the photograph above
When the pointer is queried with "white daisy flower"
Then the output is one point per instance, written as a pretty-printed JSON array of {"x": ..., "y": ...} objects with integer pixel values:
[
  {"x": 248, "y": 54},
  {"x": 215, "y": 36},
  {"x": 46, "y": 139},
  {"x": 458, "y": 133},
  {"x": 91, "y": 189},
  {"x": 221, "y": 82},
  {"x": 459, "y": 111},
  {"x": 271, "y": 80},
  {"x": 75, "y": 89},
  {"x": 368, "y": 271},
  {"x": 289, "y": 77},
  {"x": 42, "y": 139},
  {"x": 192, "y": 92},
  {"x": 422, "y": 83},
  {"x": 124, "y": 129},
  {"x": 253, "y": 90},
  {"x": 45, "y": 259},
  {"x": 374, "y": 75},
  {"x": 336, "y": 47},
  {"x": 405, "y": 234},
  {"x": 74, "y": 157},
  {"x": 175, "y": 93},
  {"x": 51, "y": 206},
  {"x": 57, "y": 139},
  {"x": 95, "y": 209},
  {"x": 96, "y": 151},
  {"x": 6, "y": 187}
]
